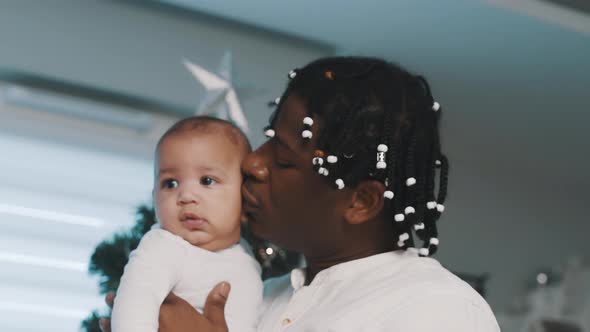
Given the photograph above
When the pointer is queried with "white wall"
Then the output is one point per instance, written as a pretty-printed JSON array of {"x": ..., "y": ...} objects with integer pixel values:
[{"x": 518, "y": 187}]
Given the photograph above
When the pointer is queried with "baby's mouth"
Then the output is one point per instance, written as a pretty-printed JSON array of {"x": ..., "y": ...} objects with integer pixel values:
[{"x": 192, "y": 220}]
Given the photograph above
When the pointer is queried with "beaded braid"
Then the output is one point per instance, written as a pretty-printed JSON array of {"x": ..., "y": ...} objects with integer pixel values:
[
  {"x": 346, "y": 117},
  {"x": 392, "y": 186},
  {"x": 434, "y": 205},
  {"x": 430, "y": 213},
  {"x": 441, "y": 197},
  {"x": 329, "y": 139}
]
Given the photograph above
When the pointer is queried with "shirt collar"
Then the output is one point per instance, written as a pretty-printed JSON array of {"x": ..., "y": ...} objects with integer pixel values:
[{"x": 358, "y": 266}]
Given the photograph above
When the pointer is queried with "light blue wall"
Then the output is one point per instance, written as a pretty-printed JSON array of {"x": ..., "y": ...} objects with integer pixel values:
[{"x": 138, "y": 50}]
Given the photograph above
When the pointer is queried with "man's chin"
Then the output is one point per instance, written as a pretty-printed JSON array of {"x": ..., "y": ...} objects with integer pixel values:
[{"x": 258, "y": 229}]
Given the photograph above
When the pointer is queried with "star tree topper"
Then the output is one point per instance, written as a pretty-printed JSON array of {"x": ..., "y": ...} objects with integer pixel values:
[{"x": 221, "y": 99}]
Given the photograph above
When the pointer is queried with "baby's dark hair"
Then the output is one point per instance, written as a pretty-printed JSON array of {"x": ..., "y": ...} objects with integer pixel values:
[
  {"x": 362, "y": 103},
  {"x": 207, "y": 124}
]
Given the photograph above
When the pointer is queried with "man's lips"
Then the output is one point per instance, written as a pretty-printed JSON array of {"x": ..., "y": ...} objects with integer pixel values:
[{"x": 250, "y": 202}]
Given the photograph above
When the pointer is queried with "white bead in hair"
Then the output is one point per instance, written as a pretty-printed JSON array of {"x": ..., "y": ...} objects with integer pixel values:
[
  {"x": 399, "y": 217},
  {"x": 388, "y": 194},
  {"x": 269, "y": 133},
  {"x": 437, "y": 162},
  {"x": 435, "y": 106},
  {"x": 340, "y": 183},
  {"x": 424, "y": 251},
  {"x": 402, "y": 240},
  {"x": 277, "y": 100},
  {"x": 431, "y": 205},
  {"x": 306, "y": 134},
  {"x": 323, "y": 171},
  {"x": 410, "y": 181},
  {"x": 409, "y": 210},
  {"x": 434, "y": 241},
  {"x": 308, "y": 121},
  {"x": 440, "y": 207},
  {"x": 382, "y": 148},
  {"x": 317, "y": 161},
  {"x": 292, "y": 74},
  {"x": 332, "y": 159},
  {"x": 381, "y": 164},
  {"x": 419, "y": 226}
]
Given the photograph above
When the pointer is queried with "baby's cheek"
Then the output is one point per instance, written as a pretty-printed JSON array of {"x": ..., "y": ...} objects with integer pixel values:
[{"x": 233, "y": 209}]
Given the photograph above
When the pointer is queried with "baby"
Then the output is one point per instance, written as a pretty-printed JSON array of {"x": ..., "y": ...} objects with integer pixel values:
[{"x": 198, "y": 203}]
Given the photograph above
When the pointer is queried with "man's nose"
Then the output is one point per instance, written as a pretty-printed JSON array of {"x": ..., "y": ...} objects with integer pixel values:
[{"x": 254, "y": 167}]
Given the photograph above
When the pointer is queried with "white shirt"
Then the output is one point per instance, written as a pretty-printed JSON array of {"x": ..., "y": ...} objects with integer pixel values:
[
  {"x": 394, "y": 291},
  {"x": 164, "y": 262}
]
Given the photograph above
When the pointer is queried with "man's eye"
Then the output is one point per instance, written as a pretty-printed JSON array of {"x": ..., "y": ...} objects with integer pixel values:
[
  {"x": 284, "y": 164},
  {"x": 169, "y": 184},
  {"x": 207, "y": 181}
]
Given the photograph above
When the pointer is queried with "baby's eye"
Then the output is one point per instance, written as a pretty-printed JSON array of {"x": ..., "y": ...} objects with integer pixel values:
[
  {"x": 169, "y": 184},
  {"x": 207, "y": 181}
]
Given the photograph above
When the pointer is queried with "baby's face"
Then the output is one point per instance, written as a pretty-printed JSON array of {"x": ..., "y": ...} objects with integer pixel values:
[{"x": 197, "y": 188}]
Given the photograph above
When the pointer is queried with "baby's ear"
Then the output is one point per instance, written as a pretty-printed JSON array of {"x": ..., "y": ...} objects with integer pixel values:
[{"x": 366, "y": 203}]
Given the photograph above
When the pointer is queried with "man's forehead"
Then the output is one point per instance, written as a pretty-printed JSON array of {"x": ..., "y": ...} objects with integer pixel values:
[
  {"x": 289, "y": 126},
  {"x": 291, "y": 112},
  {"x": 289, "y": 122}
]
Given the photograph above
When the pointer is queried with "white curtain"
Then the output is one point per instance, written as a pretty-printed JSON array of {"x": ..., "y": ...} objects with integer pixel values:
[{"x": 57, "y": 202}]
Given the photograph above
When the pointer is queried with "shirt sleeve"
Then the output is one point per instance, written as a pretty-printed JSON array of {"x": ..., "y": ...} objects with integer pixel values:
[
  {"x": 149, "y": 276},
  {"x": 443, "y": 312}
]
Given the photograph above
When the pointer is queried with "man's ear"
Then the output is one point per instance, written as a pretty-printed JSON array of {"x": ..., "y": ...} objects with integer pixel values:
[{"x": 367, "y": 202}]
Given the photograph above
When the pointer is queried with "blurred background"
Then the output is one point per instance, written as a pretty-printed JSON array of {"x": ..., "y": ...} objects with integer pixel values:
[{"x": 87, "y": 87}]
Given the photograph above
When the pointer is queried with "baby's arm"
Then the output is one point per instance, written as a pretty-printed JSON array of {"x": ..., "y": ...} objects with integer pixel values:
[
  {"x": 149, "y": 276},
  {"x": 243, "y": 305}
]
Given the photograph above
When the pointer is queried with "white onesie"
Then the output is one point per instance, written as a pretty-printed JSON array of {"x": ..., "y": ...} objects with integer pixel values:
[{"x": 164, "y": 263}]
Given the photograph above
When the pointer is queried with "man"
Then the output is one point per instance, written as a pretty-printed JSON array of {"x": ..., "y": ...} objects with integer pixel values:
[{"x": 347, "y": 178}]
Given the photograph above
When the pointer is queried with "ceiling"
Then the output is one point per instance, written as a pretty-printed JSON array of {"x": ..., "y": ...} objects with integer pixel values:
[{"x": 450, "y": 31}]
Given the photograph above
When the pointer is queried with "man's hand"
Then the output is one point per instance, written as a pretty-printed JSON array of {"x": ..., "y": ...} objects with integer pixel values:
[
  {"x": 105, "y": 323},
  {"x": 177, "y": 315}
]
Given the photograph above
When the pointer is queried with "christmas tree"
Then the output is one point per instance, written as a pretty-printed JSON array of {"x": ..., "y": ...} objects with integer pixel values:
[{"x": 110, "y": 256}]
